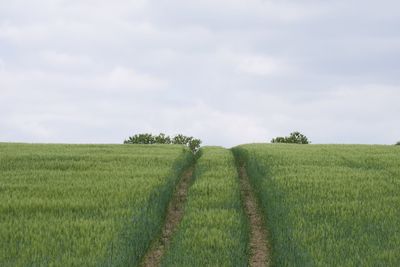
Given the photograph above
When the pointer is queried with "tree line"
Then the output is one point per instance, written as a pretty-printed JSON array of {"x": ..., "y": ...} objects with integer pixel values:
[
  {"x": 147, "y": 138},
  {"x": 194, "y": 144}
]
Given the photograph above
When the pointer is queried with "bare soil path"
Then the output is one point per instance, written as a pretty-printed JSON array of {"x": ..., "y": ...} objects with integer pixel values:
[
  {"x": 259, "y": 247},
  {"x": 174, "y": 216}
]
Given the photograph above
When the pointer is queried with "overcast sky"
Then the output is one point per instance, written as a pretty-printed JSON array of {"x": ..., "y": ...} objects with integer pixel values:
[{"x": 226, "y": 71}]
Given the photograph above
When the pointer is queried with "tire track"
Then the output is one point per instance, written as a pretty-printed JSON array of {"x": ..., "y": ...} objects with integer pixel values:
[
  {"x": 259, "y": 246},
  {"x": 174, "y": 215}
]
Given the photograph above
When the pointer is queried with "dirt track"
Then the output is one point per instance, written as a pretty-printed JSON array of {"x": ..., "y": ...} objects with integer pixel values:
[
  {"x": 174, "y": 216},
  {"x": 259, "y": 247}
]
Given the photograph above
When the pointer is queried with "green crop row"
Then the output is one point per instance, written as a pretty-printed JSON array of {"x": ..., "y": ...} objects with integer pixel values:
[
  {"x": 84, "y": 205},
  {"x": 328, "y": 205},
  {"x": 213, "y": 231}
]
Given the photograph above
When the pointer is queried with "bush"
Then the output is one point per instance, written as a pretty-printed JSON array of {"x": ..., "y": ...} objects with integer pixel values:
[
  {"x": 398, "y": 143},
  {"x": 194, "y": 144},
  {"x": 146, "y": 138},
  {"x": 181, "y": 139},
  {"x": 162, "y": 139},
  {"x": 141, "y": 139},
  {"x": 293, "y": 138}
]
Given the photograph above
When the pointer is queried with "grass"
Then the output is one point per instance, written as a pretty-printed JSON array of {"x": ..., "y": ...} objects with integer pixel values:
[
  {"x": 102, "y": 205},
  {"x": 328, "y": 205},
  {"x": 213, "y": 231},
  {"x": 84, "y": 205}
]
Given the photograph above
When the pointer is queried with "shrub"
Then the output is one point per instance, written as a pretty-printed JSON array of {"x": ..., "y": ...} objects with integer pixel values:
[
  {"x": 180, "y": 139},
  {"x": 194, "y": 144},
  {"x": 398, "y": 143},
  {"x": 162, "y": 139},
  {"x": 141, "y": 139},
  {"x": 293, "y": 138}
]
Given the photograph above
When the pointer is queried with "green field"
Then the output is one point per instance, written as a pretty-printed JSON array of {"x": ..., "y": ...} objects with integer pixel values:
[
  {"x": 213, "y": 231},
  {"x": 103, "y": 205},
  {"x": 328, "y": 205},
  {"x": 83, "y": 205}
]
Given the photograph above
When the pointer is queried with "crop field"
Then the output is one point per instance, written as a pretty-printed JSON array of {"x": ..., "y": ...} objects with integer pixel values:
[
  {"x": 84, "y": 205},
  {"x": 106, "y": 205},
  {"x": 213, "y": 231},
  {"x": 328, "y": 205}
]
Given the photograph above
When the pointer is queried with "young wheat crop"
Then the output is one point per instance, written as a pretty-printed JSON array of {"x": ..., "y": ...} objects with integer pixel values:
[
  {"x": 84, "y": 205},
  {"x": 328, "y": 205},
  {"x": 213, "y": 231}
]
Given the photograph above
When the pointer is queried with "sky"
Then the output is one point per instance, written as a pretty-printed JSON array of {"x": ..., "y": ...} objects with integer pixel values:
[{"x": 226, "y": 71}]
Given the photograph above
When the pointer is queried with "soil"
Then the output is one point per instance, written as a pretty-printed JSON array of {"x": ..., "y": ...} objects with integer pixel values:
[
  {"x": 259, "y": 247},
  {"x": 174, "y": 215}
]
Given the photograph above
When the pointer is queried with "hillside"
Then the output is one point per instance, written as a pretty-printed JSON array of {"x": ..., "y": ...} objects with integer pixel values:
[
  {"x": 151, "y": 205},
  {"x": 328, "y": 205},
  {"x": 83, "y": 205}
]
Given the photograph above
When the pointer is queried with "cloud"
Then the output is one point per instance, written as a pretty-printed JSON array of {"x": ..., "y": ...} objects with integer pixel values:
[
  {"x": 258, "y": 64},
  {"x": 113, "y": 80},
  {"x": 201, "y": 119},
  {"x": 128, "y": 79},
  {"x": 56, "y": 59},
  {"x": 228, "y": 72},
  {"x": 20, "y": 34}
]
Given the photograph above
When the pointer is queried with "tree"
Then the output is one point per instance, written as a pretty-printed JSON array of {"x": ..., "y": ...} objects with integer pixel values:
[
  {"x": 293, "y": 138},
  {"x": 194, "y": 144},
  {"x": 190, "y": 141},
  {"x": 145, "y": 138},
  {"x": 162, "y": 139},
  {"x": 180, "y": 139},
  {"x": 398, "y": 143}
]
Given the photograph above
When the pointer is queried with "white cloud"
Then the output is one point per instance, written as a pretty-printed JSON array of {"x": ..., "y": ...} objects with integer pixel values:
[
  {"x": 54, "y": 58},
  {"x": 33, "y": 128},
  {"x": 226, "y": 71},
  {"x": 255, "y": 64},
  {"x": 217, "y": 127},
  {"x": 128, "y": 79},
  {"x": 261, "y": 65},
  {"x": 113, "y": 80}
]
